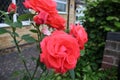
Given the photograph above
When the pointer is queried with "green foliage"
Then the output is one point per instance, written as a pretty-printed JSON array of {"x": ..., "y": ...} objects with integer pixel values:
[
  {"x": 72, "y": 74},
  {"x": 101, "y": 16},
  {"x": 87, "y": 70},
  {"x": 26, "y": 16},
  {"x": 110, "y": 74},
  {"x": 34, "y": 31},
  {"x": 28, "y": 38},
  {"x": 2, "y": 31},
  {"x": 17, "y": 24}
]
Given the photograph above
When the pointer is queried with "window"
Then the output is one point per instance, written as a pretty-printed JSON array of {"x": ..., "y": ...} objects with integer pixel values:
[
  {"x": 61, "y": 6},
  {"x": 3, "y": 6},
  {"x": 20, "y": 10}
]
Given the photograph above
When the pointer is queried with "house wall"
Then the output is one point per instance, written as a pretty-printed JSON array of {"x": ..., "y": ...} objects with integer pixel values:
[
  {"x": 72, "y": 12},
  {"x": 5, "y": 39}
]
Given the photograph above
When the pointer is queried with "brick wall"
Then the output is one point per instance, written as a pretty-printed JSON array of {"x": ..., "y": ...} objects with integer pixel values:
[{"x": 111, "y": 55}]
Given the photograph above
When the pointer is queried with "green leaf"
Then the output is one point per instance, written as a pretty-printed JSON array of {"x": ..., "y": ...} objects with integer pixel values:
[
  {"x": 3, "y": 12},
  {"x": 91, "y": 19},
  {"x": 107, "y": 28},
  {"x": 117, "y": 24},
  {"x": 85, "y": 77},
  {"x": 2, "y": 31},
  {"x": 33, "y": 58},
  {"x": 87, "y": 69},
  {"x": 78, "y": 74},
  {"x": 17, "y": 24},
  {"x": 16, "y": 73},
  {"x": 25, "y": 77},
  {"x": 41, "y": 65},
  {"x": 36, "y": 79},
  {"x": 15, "y": 34},
  {"x": 112, "y": 18},
  {"x": 25, "y": 17},
  {"x": 28, "y": 38},
  {"x": 8, "y": 21},
  {"x": 34, "y": 31},
  {"x": 72, "y": 74},
  {"x": 82, "y": 52},
  {"x": 58, "y": 78}
]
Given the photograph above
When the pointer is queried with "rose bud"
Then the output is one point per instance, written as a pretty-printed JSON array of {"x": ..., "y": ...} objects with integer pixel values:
[{"x": 12, "y": 8}]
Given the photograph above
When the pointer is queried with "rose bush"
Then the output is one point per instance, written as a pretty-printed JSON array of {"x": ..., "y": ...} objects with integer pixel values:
[{"x": 60, "y": 51}]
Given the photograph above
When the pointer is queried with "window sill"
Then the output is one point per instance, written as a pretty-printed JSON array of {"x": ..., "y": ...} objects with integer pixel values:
[
  {"x": 62, "y": 12},
  {"x": 25, "y": 23}
]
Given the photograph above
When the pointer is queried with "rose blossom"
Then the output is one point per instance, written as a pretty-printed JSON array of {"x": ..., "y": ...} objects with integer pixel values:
[
  {"x": 60, "y": 51},
  {"x": 45, "y": 30},
  {"x": 56, "y": 21},
  {"x": 12, "y": 8},
  {"x": 40, "y": 18},
  {"x": 53, "y": 19},
  {"x": 79, "y": 33},
  {"x": 38, "y": 5}
]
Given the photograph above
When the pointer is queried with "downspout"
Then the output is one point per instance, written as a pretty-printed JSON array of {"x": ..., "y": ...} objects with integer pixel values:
[{"x": 68, "y": 13}]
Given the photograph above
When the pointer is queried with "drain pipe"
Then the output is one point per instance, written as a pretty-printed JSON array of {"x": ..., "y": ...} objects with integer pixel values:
[{"x": 68, "y": 13}]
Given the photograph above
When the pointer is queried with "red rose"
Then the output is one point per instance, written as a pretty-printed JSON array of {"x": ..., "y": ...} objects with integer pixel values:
[
  {"x": 80, "y": 34},
  {"x": 49, "y": 7},
  {"x": 40, "y": 18},
  {"x": 56, "y": 21},
  {"x": 60, "y": 51},
  {"x": 12, "y": 8},
  {"x": 44, "y": 5}
]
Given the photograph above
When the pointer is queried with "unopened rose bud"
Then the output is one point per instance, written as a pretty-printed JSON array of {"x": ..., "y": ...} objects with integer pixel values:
[{"x": 12, "y": 8}]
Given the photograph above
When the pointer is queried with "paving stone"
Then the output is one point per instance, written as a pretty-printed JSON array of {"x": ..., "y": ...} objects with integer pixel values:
[{"x": 11, "y": 62}]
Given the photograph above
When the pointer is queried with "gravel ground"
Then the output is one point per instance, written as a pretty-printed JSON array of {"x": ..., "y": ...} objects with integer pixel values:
[{"x": 11, "y": 62}]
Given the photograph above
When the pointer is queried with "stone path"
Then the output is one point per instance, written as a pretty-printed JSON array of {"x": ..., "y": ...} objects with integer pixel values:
[{"x": 11, "y": 62}]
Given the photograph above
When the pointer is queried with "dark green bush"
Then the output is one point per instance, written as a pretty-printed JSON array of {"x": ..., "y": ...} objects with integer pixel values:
[{"x": 101, "y": 17}]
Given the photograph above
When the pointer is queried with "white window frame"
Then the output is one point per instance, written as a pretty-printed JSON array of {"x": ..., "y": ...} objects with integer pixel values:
[
  {"x": 25, "y": 23},
  {"x": 59, "y": 1}
]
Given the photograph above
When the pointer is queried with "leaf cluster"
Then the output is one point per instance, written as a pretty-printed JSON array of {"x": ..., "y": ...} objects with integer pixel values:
[{"x": 101, "y": 16}]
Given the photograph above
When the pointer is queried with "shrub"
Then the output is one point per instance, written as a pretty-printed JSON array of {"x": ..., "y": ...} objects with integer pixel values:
[{"x": 101, "y": 16}]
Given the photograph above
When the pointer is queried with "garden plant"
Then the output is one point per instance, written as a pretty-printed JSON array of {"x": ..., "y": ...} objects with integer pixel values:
[
  {"x": 63, "y": 52},
  {"x": 59, "y": 50}
]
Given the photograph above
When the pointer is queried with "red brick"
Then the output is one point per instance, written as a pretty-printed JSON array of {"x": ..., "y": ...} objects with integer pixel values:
[
  {"x": 117, "y": 61},
  {"x": 108, "y": 59},
  {"x": 106, "y": 66},
  {"x": 111, "y": 53}
]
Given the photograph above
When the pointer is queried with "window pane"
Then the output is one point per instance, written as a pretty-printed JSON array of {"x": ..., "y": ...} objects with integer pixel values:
[
  {"x": 63, "y": 0},
  {"x": 3, "y": 6},
  {"x": 61, "y": 7}
]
